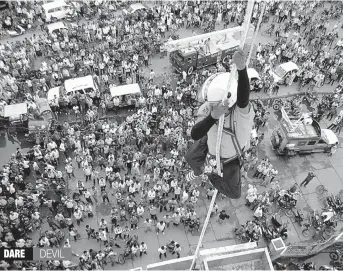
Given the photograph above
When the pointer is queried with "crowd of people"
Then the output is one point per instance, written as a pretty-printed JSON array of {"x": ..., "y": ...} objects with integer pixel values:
[{"x": 136, "y": 166}]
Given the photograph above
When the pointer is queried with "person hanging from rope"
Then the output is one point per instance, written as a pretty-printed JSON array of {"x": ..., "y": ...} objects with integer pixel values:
[{"x": 238, "y": 124}]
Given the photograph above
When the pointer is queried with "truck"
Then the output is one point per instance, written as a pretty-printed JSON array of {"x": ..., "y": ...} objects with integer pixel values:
[
  {"x": 301, "y": 136},
  {"x": 191, "y": 53}
]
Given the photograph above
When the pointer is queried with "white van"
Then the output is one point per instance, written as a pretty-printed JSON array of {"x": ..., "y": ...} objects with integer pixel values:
[
  {"x": 56, "y": 10},
  {"x": 83, "y": 85}
]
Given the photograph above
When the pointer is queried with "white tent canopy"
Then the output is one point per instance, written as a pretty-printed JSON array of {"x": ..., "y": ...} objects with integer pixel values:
[
  {"x": 15, "y": 110},
  {"x": 125, "y": 90}
]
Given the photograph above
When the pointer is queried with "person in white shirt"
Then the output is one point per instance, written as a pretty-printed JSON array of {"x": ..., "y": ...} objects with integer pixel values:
[
  {"x": 185, "y": 197},
  {"x": 118, "y": 232},
  {"x": 148, "y": 224},
  {"x": 143, "y": 248},
  {"x": 157, "y": 92},
  {"x": 160, "y": 227},
  {"x": 78, "y": 216},
  {"x": 88, "y": 196},
  {"x": 140, "y": 210},
  {"x": 102, "y": 183},
  {"x": 26, "y": 166},
  {"x": 151, "y": 196},
  {"x": 184, "y": 75},
  {"x": 162, "y": 251},
  {"x": 151, "y": 75},
  {"x": 173, "y": 185}
]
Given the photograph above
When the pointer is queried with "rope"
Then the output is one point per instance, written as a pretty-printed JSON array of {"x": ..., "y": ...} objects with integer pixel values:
[
  {"x": 256, "y": 32},
  {"x": 246, "y": 26}
]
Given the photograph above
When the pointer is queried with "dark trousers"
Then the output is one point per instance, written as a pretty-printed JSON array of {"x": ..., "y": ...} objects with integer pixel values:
[
  {"x": 229, "y": 184},
  {"x": 71, "y": 174},
  {"x": 332, "y": 126},
  {"x": 141, "y": 252},
  {"x": 160, "y": 255},
  {"x": 178, "y": 254},
  {"x": 133, "y": 226},
  {"x": 163, "y": 208},
  {"x": 330, "y": 116},
  {"x": 305, "y": 182},
  {"x": 257, "y": 174},
  {"x": 118, "y": 235}
]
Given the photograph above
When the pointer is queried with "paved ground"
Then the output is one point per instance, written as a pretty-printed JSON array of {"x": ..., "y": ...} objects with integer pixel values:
[{"x": 328, "y": 170}]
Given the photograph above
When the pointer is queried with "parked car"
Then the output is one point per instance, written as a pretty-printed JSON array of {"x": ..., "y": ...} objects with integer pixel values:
[
  {"x": 43, "y": 109},
  {"x": 301, "y": 136},
  {"x": 58, "y": 10},
  {"x": 133, "y": 8},
  {"x": 59, "y": 26},
  {"x": 282, "y": 71},
  {"x": 253, "y": 75}
]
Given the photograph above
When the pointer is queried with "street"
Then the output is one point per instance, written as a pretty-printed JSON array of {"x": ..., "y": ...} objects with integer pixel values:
[{"x": 328, "y": 171}]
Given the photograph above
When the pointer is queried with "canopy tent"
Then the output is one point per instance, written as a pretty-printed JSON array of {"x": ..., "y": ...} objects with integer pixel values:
[
  {"x": 125, "y": 90},
  {"x": 14, "y": 110}
]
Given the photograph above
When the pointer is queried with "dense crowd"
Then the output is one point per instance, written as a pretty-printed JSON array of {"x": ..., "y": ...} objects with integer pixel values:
[{"x": 135, "y": 166}]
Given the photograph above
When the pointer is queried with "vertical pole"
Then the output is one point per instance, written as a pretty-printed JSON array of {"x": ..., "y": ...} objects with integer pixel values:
[
  {"x": 256, "y": 32},
  {"x": 246, "y": 26}
]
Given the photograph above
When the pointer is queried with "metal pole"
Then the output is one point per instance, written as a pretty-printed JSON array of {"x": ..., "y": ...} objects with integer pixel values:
[
  {"x": 256, "y": 32},
  {"x": 249, "y": 10}
]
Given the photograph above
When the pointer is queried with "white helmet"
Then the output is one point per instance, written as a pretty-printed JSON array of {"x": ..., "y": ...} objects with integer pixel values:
[{"x": 215, "y": 87}]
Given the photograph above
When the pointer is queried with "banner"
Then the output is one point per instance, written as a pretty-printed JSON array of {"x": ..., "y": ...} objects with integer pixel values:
[{"x": 35, "y": 254}]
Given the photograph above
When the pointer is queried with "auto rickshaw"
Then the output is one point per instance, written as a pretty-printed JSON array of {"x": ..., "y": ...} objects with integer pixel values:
[
  {"x": 44, "y": 110},
  {"x": 38, "y": 129},
  {"x": 14, "y": 115},
  {"x": 126, "y": 94}
]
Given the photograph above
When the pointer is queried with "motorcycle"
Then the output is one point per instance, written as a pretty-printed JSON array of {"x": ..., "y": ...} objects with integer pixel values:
[
  {"x": 71, "y": 17},
  {"x": 267, "y": 233},
  {"x": 279, "y": 228},
  {"x": 280, "y": 266},
  {"x": 171, "y": 246},
  {"x": 326, "y": 267},
  {"x": 175, "y": 36},
  {"x": 277, "y": 104},
  {"x": 302, "y": 266},
  {"x": 17, "y": 31},
  {"x": 242, "y": 235},
  {"x": 298, "y": 217},
  {"x": 335, "y": 203},
  {"x": 296, "y": 112},
  {"x": 287, "y": 203}
]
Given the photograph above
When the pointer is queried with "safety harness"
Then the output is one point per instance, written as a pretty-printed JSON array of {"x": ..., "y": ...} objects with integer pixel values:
[{"x": 231, "y": 131}]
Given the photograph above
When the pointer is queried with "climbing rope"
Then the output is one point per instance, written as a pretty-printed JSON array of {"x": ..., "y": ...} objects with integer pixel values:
[
  {"x": 246, "y": 27},
  {"x": 256, "y": 32}
]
